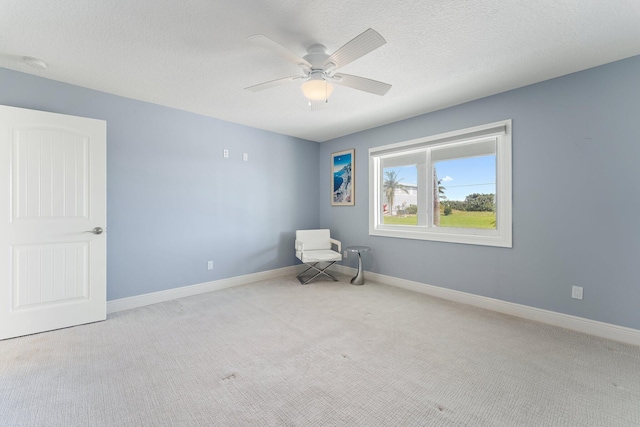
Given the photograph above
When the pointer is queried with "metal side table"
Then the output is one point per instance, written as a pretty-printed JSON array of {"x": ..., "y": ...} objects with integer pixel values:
[{"x": 359, "y": 278}]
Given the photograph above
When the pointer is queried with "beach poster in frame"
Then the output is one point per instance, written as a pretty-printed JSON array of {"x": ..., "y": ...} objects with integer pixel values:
[{"x": 342, "y": 178}]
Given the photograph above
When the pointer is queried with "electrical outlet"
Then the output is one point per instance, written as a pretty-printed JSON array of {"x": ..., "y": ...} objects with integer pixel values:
[
  {"x": 576, "y": 292},
  {"x": 225, "y": 153},
  {"x": 245, "y": 157},
  {"x": 209, "y": 265}
]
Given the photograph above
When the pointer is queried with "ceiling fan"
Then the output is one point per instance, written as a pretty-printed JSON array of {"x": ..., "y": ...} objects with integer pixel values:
[{"x": 319, "y": 68}]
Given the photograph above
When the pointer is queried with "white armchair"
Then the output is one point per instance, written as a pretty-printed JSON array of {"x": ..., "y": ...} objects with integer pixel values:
[{"x": 314, "y": 247}]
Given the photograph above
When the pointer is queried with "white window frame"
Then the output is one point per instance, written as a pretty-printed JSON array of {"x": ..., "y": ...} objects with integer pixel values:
[{"x": 500, "y": 132}]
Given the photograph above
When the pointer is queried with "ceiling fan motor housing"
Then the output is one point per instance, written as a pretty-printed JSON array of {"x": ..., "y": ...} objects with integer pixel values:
[{"x": 317, "y": 57}]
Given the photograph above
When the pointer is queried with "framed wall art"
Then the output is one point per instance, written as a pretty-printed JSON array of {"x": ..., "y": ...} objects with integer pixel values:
[{"x": 343, "y": 188}]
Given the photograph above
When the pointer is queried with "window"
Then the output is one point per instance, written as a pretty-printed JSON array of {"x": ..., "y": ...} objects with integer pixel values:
[{"x": 453, "y": 187}]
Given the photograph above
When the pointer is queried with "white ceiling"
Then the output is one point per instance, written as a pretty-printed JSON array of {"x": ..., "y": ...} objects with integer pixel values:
[{"x": 194, "y": 54}]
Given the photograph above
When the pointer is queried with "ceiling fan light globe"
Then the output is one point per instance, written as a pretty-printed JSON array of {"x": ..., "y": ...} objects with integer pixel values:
[{"x": 317, "y": 90}]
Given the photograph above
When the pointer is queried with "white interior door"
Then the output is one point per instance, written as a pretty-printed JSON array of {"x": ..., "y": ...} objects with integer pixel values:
[{"x": 52, "y": 192}]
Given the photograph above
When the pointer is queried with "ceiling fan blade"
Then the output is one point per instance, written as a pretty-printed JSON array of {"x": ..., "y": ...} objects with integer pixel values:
[
  {"x": 278, "y": 49},
  {"x": 367, "y": 85},
  {"x": 361, "y": 45},
  {"x": 272, "y": 83}
]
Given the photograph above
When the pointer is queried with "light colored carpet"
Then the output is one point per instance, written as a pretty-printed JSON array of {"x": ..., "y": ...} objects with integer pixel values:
[{"x": 276, "y": 353}]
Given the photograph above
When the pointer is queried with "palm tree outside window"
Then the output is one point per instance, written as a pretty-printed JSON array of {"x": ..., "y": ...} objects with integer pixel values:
[{"x": 390, "y": 186}]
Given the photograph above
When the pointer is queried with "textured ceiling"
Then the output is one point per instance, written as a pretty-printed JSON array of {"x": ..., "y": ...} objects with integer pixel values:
[{"x": 194, "y": 54}]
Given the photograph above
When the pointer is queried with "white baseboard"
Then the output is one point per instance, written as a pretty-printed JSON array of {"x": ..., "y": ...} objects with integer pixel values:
[
  {"x": 575, "y": 323},
  {"x": 187, "y": 291}
]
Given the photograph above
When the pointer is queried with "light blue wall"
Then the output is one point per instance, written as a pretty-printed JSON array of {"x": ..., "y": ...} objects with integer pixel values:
[
  {"x": 173, "y": 201},
  {"x": 576, "y": 198}
]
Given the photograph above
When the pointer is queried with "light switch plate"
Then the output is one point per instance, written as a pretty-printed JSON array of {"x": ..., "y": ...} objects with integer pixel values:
[{"x": 576, "y": 292}]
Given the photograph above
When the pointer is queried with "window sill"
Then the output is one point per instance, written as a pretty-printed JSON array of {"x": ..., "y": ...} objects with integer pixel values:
[{"x": 450, "y": 235}]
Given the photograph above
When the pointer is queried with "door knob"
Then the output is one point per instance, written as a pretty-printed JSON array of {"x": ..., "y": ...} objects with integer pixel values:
[{"x": 96, "y": 230}]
